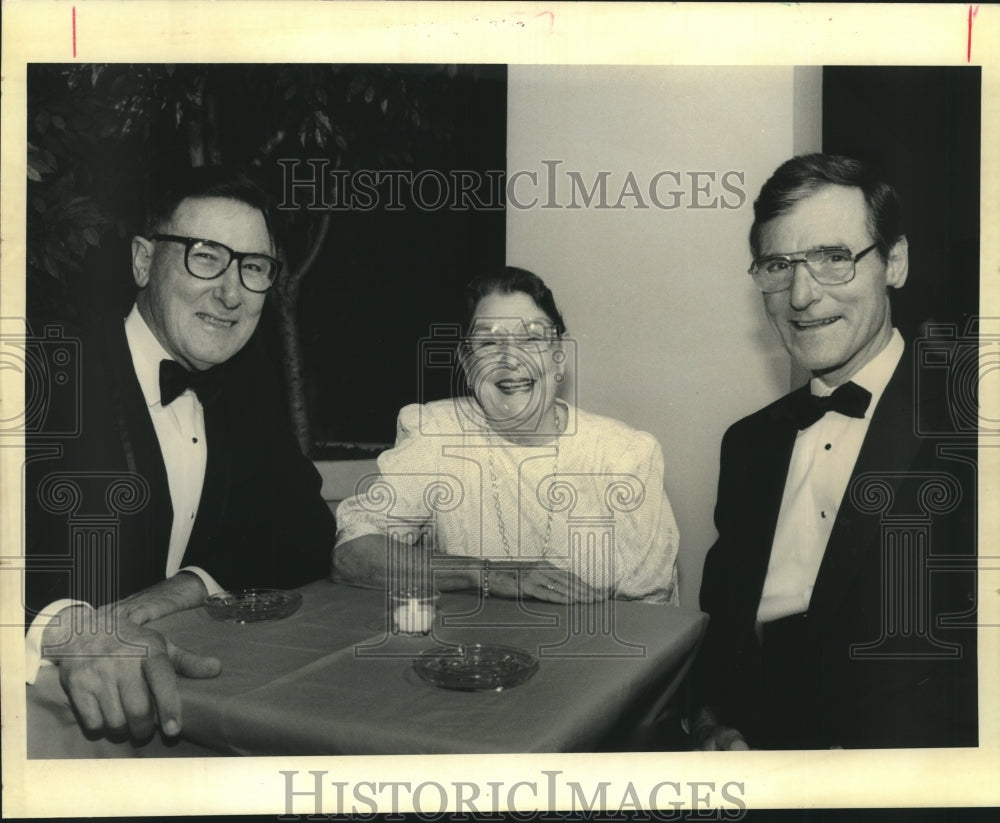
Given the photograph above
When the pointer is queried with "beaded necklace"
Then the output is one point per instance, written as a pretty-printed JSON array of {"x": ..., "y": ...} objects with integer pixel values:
[{"x": 496, "y": 492}]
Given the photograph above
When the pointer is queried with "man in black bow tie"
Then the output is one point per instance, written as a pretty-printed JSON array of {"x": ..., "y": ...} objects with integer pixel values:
[
  {"x": 185, "y": 448},
  {"x": 817, "y": 637}
]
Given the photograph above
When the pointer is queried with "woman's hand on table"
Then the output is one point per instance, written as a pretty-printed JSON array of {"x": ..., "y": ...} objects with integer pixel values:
[
  {"x": 542, "y": 581},
  {"x": 362, "y": 562}
]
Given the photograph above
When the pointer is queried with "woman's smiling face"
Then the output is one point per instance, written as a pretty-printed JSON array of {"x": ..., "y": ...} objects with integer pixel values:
[{"x": 512, "y": 362}]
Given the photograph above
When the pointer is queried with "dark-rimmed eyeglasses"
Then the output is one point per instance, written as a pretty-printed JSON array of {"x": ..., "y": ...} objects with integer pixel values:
[
  {"x": 830, "y": 266},
  {"x": 206, "y": 260}
]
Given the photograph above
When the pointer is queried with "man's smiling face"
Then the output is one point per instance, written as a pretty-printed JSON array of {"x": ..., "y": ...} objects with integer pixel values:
[
  {"x": 201, "y": 323},
  {"x": 832, "y": 331}
]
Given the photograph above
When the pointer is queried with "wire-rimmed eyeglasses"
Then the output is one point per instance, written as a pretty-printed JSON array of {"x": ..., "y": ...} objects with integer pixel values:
[
  {"x": 830, "y": 265},
  {"x": 533, "y": 336}
]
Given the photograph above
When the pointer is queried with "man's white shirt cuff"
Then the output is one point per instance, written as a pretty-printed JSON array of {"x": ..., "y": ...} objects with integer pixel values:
[
  {"x": 33, "y": 639},
  {"x": 206, "y": 578},
  {"x": 33, "y": 659}
]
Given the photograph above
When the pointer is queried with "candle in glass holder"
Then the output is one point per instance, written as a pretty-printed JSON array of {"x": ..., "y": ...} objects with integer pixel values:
[{"x": 413, "y": 613}]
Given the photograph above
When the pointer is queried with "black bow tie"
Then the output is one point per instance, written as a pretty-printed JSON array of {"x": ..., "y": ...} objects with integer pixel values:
[
  {"x": 849, "y": 399},
  {"x": 174, "y": 379}
]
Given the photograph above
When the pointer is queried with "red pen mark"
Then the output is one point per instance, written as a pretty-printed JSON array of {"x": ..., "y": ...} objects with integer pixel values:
[
  {"x": 973, "y": 11},
  {"x": 74, "y": 31},
  {"x": 552, "y": 17}
]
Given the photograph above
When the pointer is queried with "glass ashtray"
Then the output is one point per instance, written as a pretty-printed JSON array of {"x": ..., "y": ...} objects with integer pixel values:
[
  {"x": 252, "y": 605},
  {"x": 476, "y": 667}
]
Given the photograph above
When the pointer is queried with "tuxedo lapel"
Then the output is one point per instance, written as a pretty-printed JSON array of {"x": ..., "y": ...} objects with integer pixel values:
[
  {"x": 143, "y": 456},
  {"x": 767, "y": 472},
  {"x": 218, "y": 472},
  {"x": 890, "y": 448},
  {"x": 141, "y": 450}
]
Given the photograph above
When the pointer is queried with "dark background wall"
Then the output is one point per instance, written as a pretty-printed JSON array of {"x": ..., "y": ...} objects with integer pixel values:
[
  {"x": 921, "y": 125},
  {"x": 388, "y": 276}
]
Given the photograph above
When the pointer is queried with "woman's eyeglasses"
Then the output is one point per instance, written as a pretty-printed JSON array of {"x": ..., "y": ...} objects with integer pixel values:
[{"x": 532, "y": 337}]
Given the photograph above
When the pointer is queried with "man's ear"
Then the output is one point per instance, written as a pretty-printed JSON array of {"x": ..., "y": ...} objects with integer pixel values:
[
  {"x": 142, "y": 259},
  {"x": 897, "y": 266}
]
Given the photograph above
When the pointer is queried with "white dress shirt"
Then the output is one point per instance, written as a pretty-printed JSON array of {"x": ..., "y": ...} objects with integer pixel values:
[
  {"x": 820, "y": 468},
  {"x": 180, "y": 431}
]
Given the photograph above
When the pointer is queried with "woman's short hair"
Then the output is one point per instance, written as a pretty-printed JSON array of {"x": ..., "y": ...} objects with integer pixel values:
[
  {"x": 507, "y": 280},
  {"x": 798, "y": 178}
]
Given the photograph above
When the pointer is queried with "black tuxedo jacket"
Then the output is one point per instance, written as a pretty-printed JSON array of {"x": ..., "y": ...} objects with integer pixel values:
[
  {"x": 886, "y": 654},
  {"x": 98, "y": 509}
]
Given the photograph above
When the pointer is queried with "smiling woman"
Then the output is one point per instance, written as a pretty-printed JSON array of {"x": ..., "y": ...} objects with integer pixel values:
[
  {"x": 513, "y": 360},
  {"x": 510, "y": 489}
]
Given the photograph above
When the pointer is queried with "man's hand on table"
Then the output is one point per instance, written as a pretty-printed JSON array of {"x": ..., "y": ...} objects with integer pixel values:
[
  {"x": 709, "y": 735},
  {"x": 185, "y": 590},
  {"x": 117, "y": 673}
]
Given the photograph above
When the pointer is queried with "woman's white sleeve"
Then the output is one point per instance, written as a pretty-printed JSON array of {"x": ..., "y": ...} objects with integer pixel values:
[
  {"x": 393, "y": 499},
  {"x": 647, "y": 537}
]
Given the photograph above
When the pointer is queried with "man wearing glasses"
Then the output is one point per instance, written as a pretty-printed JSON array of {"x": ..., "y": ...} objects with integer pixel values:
[
  {"x": 188, "y": 419},
  {"x": 826, "y": 629}
]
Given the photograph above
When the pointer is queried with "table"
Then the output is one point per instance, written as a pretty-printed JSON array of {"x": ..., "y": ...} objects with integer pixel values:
[{"x": 332, "y": 679}]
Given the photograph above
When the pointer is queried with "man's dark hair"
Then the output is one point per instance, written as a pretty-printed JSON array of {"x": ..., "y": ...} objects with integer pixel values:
[
  {"x": 798, "y": 178},
  {"x": 508, "y": 280},
  {"x": 204, "y": 181}
]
